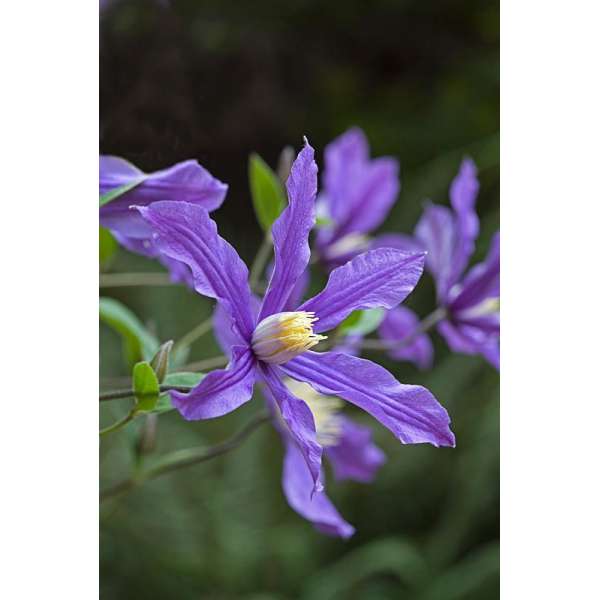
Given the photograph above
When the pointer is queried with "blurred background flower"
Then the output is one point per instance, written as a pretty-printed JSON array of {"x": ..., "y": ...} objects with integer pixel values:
[{"x": 215, "y": 81}]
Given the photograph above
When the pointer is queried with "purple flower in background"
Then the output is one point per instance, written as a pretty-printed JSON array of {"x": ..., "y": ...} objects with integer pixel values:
[
  {"x": 269, "y": 343},
  {"x": 402, "y": 325},
  {"x": 471, "y": 301},
  {"x": 358, "y": 194},
  {"x": 184, "y": 182},
  {"x": 347, "y": 445}
]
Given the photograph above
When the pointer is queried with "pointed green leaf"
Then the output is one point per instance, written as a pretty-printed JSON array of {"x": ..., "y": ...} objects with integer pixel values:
[
  {"x": 184, "y": 378},
  {"x": 138, "y": 342},
  {"x": 145, "y": 387},
  {"x": 362, "y": 322},
  {"x": 267, "y": 192},
  {"x": 114, "y": 194}
]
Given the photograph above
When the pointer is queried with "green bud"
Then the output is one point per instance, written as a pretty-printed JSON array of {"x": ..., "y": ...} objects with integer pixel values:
[{"x": 160, "y": 362}]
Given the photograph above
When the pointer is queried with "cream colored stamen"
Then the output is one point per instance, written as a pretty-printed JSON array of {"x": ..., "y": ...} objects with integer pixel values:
[
  {"x": 325, "y": 410},
  {"x": 489, "y": 306},
  {"x": 285, "y": 335}
]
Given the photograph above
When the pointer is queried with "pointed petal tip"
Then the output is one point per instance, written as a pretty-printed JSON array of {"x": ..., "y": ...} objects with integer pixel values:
[
  {"x": 178, "y": 400},
  {"x": 347, "y": 531},
  {"x": 450, "y": 440},
  {"x": 468, "y": 164},
  {"x": 307, "y": 147}
]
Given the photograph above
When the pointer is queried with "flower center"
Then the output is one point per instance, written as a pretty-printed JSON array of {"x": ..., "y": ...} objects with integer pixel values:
[
  {"x": 353, "y": 242},
  {"x": 284, "y": 335},
  {"x": 486, "y": 307},
  {"x": 325, "y": 410}
]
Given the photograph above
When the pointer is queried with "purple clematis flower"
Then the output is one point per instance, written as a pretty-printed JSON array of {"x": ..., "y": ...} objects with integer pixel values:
[
  {"x": 400, "y": 327},
  {"x": 184, "y": 182},
  {"x": 270, "y": 343},
  {"x": 358, "y": 194},
  {"x": 472, "y": 300},
  {"x": 347, "y": 445}
]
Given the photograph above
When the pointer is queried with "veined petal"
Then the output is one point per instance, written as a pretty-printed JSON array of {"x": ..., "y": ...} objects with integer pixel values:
[
  {"x": 300, "y": 424},
  {"x": 224, "y": 328},
  {"x": 410, "y": 412},
  {"x": 437, "y": 232},
  {"x": 377, "y": 278},
  {"x": 184, "y": 182},
  {"x": 290, "y": 233},
  {"x": 299, "y": 290},
  {"x": 355, "y": 456},
  {"x": 463, "y": 194},
  {"x": 187, "y": 234},
  {"x": 359, "y": 192},
  {"x": 221, "y": 391},
  {"x": 400, "y": 325},
  {"x": 316, "y": 508}
]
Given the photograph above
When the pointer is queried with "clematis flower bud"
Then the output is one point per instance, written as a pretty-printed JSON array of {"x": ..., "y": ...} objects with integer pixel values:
[
  {"x": 283, "y": 336},
  {"x": 160, "y": 362}
]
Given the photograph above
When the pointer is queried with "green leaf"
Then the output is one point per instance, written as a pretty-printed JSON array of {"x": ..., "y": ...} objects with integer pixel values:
[
  {"x": 138, "y": 342},
  {"x": 362, "y": 322},
  {"x": 185, "y": 378},
  {"x": 108, "y": 247},
  {"x": 145, "y": 387},
  {"x": 267, "y": 192},
  {"x": 114, "y": 194}
]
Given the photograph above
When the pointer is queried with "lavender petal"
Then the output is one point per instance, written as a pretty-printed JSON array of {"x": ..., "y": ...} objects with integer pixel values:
[
  {"x": 377, "y": 278},
  {"x": 410, "y": 412},
  {"x": 221, "y": 391}
]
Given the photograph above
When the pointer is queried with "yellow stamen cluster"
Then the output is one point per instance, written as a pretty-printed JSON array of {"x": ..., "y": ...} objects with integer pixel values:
[
  {"x": 325, "y": 410},
  {"x": 285, "y": 335}
]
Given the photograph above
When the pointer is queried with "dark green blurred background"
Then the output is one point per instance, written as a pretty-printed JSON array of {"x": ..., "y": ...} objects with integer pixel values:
[{"x": 216, "y": 81}]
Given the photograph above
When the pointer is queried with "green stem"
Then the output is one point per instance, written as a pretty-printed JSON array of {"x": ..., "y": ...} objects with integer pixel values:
[
  {"x": 207, "y": 363},
  {"x": 425, "y": 325},
  {"x": 185, "y": 458},
  {"x": 194, "y": 334},
  {"x": 113, "y": 280},
  {"x": 260, "y": 260},
  {"x": 118, "y": 424},
  {"x": 126, "y": 393}
]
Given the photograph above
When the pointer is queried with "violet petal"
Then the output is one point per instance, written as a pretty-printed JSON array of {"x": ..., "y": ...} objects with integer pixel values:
[
  {"x": 221, "y": 391},
  {"x": 411, "y": 412},
  {"x": 290, "y": 233},
  {"x": 377, "y": 278}
]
